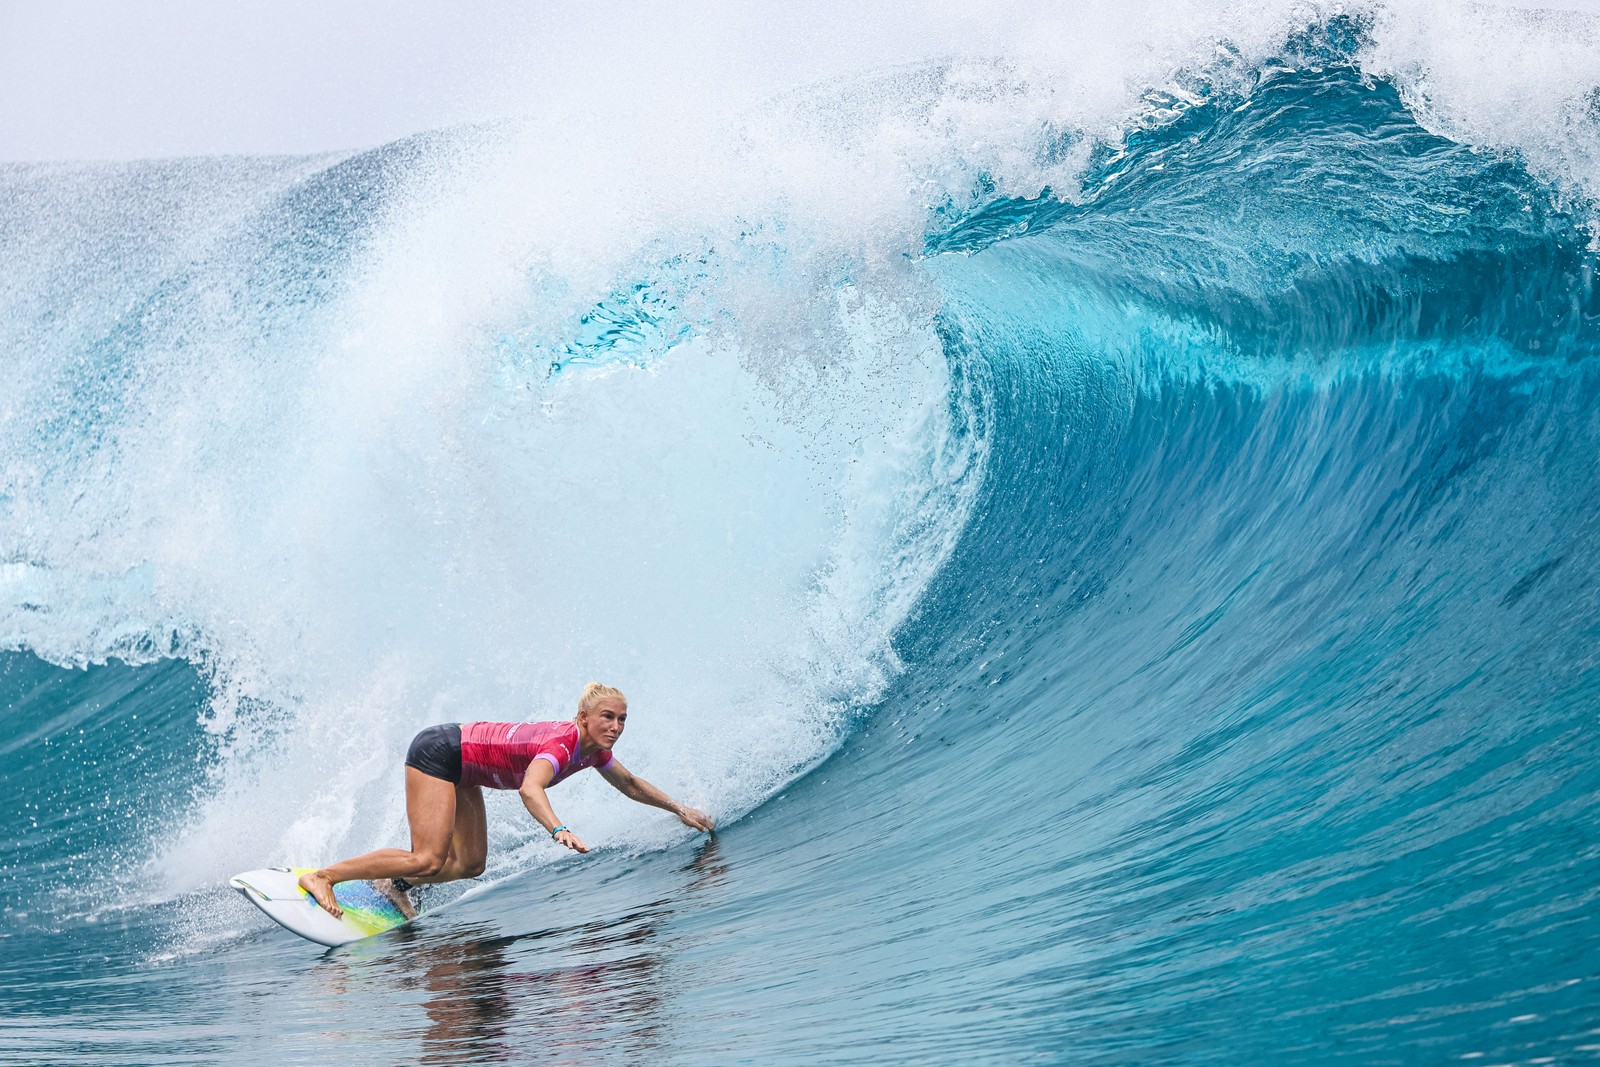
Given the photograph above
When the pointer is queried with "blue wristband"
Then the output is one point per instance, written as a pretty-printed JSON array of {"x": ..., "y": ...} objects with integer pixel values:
[{"x": 559, "y": 829}]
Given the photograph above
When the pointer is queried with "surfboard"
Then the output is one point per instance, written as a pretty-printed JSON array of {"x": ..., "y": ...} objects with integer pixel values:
[{"x": 276, "y": 891}]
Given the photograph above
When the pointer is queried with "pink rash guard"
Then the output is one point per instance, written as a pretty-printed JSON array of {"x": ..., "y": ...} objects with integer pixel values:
[{"x": 498, "y": 754}]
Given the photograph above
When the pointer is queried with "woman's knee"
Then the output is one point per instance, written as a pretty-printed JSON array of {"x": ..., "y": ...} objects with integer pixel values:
[
  {"x": 427, "y": 864},
  {"x": 472, "y": 868}
]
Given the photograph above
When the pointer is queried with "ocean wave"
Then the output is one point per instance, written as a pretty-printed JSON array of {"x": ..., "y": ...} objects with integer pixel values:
[{"x": 1112, "y": 547}]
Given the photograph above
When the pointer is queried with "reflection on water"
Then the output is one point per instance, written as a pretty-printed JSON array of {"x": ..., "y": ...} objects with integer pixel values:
[
  {"x": 568, "y": 991},
  {"x": 468, "y": 1004}
]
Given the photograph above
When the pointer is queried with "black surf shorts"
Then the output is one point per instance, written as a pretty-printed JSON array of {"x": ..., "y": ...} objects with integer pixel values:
[{"x": 436, "y": 752}]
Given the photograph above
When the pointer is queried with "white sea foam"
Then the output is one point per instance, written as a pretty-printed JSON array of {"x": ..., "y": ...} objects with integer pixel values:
[{"x": 1522, "y": 78}]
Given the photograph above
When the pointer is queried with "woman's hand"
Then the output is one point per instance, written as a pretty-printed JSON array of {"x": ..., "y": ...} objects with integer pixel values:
[
  {"x": 697, "y": 819},
  {"x": 572, "y": 841}
]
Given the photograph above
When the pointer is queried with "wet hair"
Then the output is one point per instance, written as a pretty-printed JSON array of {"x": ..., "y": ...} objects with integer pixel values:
[{"x": 594, "y": 693}]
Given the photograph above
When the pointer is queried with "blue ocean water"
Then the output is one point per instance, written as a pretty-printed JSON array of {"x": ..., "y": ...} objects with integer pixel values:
[{"x": 1150, "y": 622}]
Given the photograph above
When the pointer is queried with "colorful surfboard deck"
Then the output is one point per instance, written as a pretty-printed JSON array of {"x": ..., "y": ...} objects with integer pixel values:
[{"x": 276, "y": 891}]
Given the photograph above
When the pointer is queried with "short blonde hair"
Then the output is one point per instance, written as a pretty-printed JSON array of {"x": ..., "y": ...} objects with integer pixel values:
[{"x": 594, "y": 693}]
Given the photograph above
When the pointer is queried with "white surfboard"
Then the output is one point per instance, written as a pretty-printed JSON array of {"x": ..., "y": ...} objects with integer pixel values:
[{"x": 276, "y": 891}]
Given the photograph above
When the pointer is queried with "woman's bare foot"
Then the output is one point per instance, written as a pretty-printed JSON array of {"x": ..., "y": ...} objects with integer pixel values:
[
  {"x": 387, "y": 888},
  {"x": 316, "y": 883}
]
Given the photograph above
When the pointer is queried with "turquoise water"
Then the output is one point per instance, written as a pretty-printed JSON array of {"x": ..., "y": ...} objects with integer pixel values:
[{"x": 1154, "y": 624}]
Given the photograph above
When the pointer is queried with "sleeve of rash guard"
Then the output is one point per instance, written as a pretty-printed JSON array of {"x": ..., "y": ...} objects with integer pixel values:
[{"x": 554, "y": 752}]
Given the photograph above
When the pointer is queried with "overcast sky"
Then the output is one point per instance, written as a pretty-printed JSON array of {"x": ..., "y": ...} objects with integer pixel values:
[
  {"x": 82, "y": 79},
  {"x": 97, "y": 79},
  {"x": 120, "y": 79}
]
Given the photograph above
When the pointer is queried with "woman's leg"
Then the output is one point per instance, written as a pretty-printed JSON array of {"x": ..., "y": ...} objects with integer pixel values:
[
  {"x": 431, "y": 809},
  {"x": 469, "y": 845}
]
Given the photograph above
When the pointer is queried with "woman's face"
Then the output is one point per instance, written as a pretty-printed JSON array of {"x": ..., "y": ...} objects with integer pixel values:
[{"x": 604, "y": 722}]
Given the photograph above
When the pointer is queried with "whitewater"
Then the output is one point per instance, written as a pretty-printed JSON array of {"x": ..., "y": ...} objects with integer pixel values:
[{"x": 1100, "y": 505}]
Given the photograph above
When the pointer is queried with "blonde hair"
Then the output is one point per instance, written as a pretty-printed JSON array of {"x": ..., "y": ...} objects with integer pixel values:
[{"x": 594, "y": 693}]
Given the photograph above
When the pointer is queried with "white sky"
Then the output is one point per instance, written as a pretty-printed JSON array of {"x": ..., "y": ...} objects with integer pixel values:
[
  {"x": 119, "y": 79},
  {"x": 84, "y": 79}
]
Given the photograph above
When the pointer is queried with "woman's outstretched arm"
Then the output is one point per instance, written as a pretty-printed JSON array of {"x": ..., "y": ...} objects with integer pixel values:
[
  {"x": 633, "y": 787},
  {"x": 538, "y": 804}
]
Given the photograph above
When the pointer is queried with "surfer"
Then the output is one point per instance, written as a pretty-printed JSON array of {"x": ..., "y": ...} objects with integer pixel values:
[{"x": 449, "y": 766}]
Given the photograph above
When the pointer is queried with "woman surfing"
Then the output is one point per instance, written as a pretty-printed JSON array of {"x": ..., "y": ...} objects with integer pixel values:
[{"x": 449, "y": 766}]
